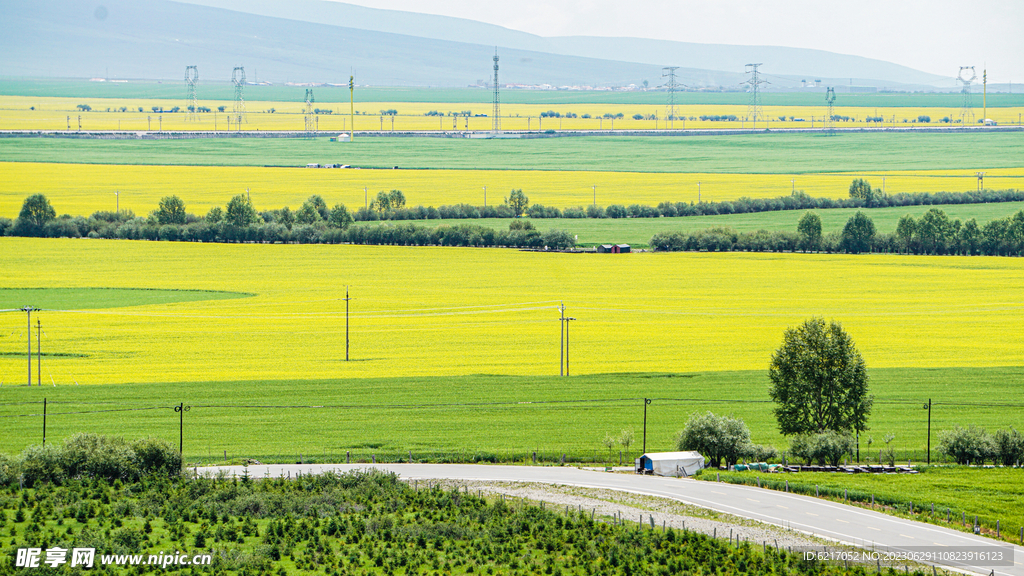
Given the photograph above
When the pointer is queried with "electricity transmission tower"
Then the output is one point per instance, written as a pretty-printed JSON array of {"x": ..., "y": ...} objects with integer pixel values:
[
  {"x": 670, "y": 72},
  {"x": 496, "y": 122},
  {"x": 238, "y": 78},
  {"x": 966, "y": 76},
  {"x": 754, "y": 108},
  {"x": 310, "y": 121},
  {"x": 830, "y": 118},
  {"x": 191, "y": 78}
]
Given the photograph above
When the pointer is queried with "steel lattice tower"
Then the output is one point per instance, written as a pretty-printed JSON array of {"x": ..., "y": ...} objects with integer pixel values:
[
  {"x": 310, "y": 121},
  {"x": 671, "y": 73},
  {"x": 191, "y": 78},
  {"x": 966, "y": 76},
  {"x": 496, "y": 123},
  {"x": 238, "y": 78},
  {"x": 830, "y": 118},
  {"x": 754, "y": 108}
]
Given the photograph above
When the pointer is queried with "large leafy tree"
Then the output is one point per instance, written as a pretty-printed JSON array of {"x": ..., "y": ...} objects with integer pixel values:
[
  {"x": 171, "y": 211},
  {"x": 240, "y": 211},
  {"x": 809, "y": 228},
  {"x": 819, "y": 381},
  {"x": 716, "y": 437},
  {"x": 858, "y": 234},
  {"x": 36, "y": 211},
  {"x": 518, "y": 202}
]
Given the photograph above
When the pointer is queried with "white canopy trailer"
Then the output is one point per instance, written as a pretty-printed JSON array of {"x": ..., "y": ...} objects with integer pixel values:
[{"x": 673, "y": 464}]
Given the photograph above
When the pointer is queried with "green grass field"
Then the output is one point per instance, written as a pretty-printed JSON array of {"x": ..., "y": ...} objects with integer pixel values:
[
  {"x": 212, "y": 90},
  {"x": 870, "y": 153},
  {"x": 96, "y": 298},
  {"x": 638, "y": 231},
  {"x": 483, "y": 416},
  {"x": 995, "y": 494}
]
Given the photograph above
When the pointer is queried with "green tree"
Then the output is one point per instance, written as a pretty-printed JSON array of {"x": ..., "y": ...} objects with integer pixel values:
[
  {"x": 396, "y": 199},
  {"x": 715, "y": 437},
  {"x": 969, "y": 237},
  {"x": 819, "y": 381},
  {"x": 340, "y": 217},
  {"x": 858, "y": 234},
  {"x": 240, "y": 211},
  {"x": 826, "y": 448},
  {"x": 935, "y": 231},
  {"x": 35, "y": 213},
  {"x": 215, "y": 215},
  {"x": 171, "y": 211},
  {"x": 317, "y": 202},
  {"x": 969, "y": 445},
  {"x": 905, "y": 230},
  {"x": 1009, "y": 447},
  {"x": 809, "y": 228},
  {"x": 307, "y": 214},
  {"x": 861, "y": 189},
  {"x": 518, "y": 202}
]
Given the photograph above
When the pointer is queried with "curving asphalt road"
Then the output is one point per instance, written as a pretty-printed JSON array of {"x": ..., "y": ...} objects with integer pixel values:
[{"x": 846, "y": 524}]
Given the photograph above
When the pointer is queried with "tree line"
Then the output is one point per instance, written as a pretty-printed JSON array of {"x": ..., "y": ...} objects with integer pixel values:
[
  {"x": 313, "y": 223},
  {"x": 933, "y": 233}
]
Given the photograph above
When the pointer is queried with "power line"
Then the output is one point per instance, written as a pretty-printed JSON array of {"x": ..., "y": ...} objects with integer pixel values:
[
  {"x": 191, "y": 79},
  {"x": 496, "y": 123},
  {"x": 238, "y": 79},
  {"x": 754, "y": 108}
]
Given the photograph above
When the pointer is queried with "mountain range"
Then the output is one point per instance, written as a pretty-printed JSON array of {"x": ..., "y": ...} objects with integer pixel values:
[{"x": 319, "y": 41}]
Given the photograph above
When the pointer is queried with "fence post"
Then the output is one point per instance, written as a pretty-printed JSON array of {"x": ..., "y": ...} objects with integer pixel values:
[
  {"x": 534, "y": 456},
  {"x": 816, "y": 493},
  {"x": 997, "y": 528},
  {"x": 348, "y": 456}
]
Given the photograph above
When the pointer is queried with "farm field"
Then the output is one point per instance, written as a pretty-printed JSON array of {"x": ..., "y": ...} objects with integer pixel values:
[
  {"x": 695, "y": 312},
  {"x": 995, "y": 494},
  {"x": 138, "y": 90},
  {"x": 638, "y": 231},
  {"x": 81, "y": 189},
  {"x": 135, "y": 114},
  {"x": 768, "y": 153},
  {"x": 483, "y": 417}
]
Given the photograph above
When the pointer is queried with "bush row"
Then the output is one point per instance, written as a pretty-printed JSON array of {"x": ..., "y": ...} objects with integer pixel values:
[
  {"x": 933, "y": 233},
  {"x": 91, "y": 456}
]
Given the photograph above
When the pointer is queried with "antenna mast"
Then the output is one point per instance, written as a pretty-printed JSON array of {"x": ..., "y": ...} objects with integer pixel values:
[
  {"x": 966, "y": 76},
  {"x": 754, "y": 108},
  {"x": 830, "y": 118},
  {"x": 671, "y": 73},
  {"x": 191, "y": 78},
  {"x": 496, "y": 123},
  {"x": 309, "y": 113},
  {"x": 238, "y": 78}
]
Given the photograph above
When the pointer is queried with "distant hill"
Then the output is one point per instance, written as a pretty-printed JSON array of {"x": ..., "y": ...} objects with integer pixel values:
[{"x": 322, "y": 42}]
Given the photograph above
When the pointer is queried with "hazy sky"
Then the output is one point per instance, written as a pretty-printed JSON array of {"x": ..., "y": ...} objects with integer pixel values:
[{"x": 936, "y": 36}]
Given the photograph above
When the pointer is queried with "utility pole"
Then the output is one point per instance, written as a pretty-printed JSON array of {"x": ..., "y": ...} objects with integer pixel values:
[
  {"x": 561, "y": 343},
  {"x": 567, "y": 320},
  {"x": 346, "y": 323},
  {"x": 595, "y": 196},
  {"x": 647, "y": 402},
  {"x": 352, "y": 107},
  {"x": 181, "y": 409},
  {"x": 44, "y": 421},
  {"x": 39, "y": 351},
  {"x": 928, "y": 407},
  {"x": 485, "y": 196},
  {"x": 117, "y": 201}
]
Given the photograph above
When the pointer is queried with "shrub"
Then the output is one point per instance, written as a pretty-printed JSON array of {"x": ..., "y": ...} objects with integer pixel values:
[
  {"x": 715, "y": 437},
  {"x": 1008, "y": 444},
  {"x": 967, "y": 445},
  {"x": 156, "y": 456},
  {"x": 826, "y": 448}
]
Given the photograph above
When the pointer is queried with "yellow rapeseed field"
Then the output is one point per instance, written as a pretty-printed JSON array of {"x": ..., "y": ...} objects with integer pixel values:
[
  {"x": 63, "y": 114},
  {"x": 450, "y": 311},
  {"x": 81, "y": 189}
]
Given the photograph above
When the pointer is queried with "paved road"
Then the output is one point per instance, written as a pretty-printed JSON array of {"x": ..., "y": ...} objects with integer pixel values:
[{"x": 847, "y": 524}]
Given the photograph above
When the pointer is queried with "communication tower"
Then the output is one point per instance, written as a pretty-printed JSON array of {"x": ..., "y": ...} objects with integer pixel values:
[
  {"x": 238, "y": 79},
  {"x": 496, "y": 123},
  {"x": 830, "y": 118},
  {"x": 191, "y": 79},
  {"x": 966, "y": 76},
  {"x": 670, "y": 72},
  {"x": 754, "y": 108},
  {"x": 310, "y": 120}
]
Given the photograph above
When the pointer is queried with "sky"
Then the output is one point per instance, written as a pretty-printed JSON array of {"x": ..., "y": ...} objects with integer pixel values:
[{"x": 936, "y": 36}]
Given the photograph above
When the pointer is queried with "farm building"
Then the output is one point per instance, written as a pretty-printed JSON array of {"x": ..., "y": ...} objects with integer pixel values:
[
  {"x": 673, "y": 464},
  {"x": 613, "y": 249}
]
